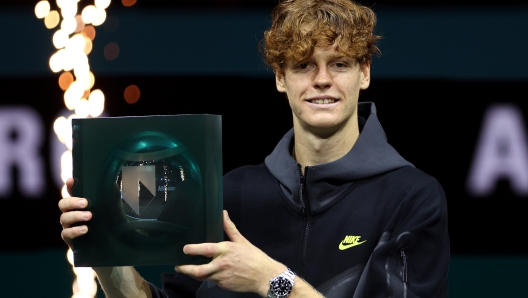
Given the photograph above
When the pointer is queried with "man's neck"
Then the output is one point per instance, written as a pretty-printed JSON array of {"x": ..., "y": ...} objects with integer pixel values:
[{"x": 312, "y": 149}]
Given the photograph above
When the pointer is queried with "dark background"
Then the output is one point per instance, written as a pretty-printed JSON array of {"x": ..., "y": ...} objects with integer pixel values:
[{"x": 432, "y": 120}]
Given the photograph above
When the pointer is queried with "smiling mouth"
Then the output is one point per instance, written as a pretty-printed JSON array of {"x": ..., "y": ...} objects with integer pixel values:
[{"x": 323, "y": 101}]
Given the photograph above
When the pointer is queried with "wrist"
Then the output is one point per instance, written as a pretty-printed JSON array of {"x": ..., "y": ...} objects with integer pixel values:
[
  {"x": 274, "y": 271},
  {"x": 281, "y": 286}
]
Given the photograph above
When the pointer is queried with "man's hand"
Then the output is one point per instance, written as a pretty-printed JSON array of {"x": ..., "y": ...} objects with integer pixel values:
[
  {"x": 237, "y": 265},
  {"x": 72, "y": 214},
  {"x": 115, "y": 281}
]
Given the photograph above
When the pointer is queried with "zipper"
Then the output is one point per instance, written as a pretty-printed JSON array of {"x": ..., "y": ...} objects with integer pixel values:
[
  {"x": 305, "y": 211},
  {"x": 404, "y": 269}
]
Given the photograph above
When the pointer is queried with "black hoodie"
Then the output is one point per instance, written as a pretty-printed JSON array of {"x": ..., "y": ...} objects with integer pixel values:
[{"x": 366, "y": 225}]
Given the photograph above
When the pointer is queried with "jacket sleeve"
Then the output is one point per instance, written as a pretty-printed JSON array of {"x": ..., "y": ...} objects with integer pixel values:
[
  {"x": 412, "y": 257},
  {"x": 175, "y": 285}
]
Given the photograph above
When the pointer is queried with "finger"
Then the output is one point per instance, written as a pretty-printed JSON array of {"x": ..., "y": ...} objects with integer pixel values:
[
  {"x": 231, "y": 230},
  {"x": 68, "y": 219},
  {"x": 72, "y": 203},
  {"x": 69, "y": 185},
  {"x": 74, "y": 232},
  {"x": 203, "y": 249},
  {"x": 200, "y": 272}
]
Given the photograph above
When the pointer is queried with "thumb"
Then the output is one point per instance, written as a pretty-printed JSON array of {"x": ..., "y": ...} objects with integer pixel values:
[
  {"x": 231, "y": 230},
  {"x": 69, "y": 186}
]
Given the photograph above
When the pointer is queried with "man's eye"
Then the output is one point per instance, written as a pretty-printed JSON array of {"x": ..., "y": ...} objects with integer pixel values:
[
  {"x": 302, "y": 66},
  {"x": 340, "y": 64}
]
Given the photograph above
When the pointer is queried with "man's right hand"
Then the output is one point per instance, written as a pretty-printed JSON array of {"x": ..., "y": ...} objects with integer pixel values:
[
  {"x": 72, "y": 214},
  {"x": 115, "y": 281}
]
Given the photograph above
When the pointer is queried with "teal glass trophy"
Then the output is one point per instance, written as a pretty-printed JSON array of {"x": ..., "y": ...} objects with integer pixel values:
[{"x": 153, "y": 183}]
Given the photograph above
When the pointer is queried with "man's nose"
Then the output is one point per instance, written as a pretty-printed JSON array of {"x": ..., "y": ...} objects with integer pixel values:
[{"x": 322, "y": 79}]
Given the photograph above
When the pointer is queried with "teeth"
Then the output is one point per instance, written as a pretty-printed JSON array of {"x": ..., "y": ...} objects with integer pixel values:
[{"x": 323, "y": 101}]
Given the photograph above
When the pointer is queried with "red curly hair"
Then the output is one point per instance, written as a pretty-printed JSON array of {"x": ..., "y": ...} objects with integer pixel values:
[{"x": 298, "y": 26}]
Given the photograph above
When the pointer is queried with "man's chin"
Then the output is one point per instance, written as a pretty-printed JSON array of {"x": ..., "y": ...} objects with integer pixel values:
[{"x": 322, "y": 127}]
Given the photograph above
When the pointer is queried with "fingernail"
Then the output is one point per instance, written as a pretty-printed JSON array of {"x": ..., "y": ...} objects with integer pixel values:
[
  {"x": 177, "y": 269},
  {"x": 184, "y": 249},
  {"x": 85, "y": 215},
  {"x": 82, "y": 203},
  {"x": 83, "y": 229}
]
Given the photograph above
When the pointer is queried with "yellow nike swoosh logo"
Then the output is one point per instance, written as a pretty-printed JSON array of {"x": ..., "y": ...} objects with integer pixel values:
[{"x": 350, "y": 241}]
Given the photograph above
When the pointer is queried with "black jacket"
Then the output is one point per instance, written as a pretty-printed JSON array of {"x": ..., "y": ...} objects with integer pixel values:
[{"x": 366, "y": 225}]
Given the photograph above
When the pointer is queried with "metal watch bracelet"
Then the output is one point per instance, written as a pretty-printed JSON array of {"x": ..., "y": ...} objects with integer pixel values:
[{"x": 281, "y": 285}]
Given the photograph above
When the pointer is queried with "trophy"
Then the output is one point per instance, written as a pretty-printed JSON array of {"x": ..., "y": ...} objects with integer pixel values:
[{"x": 151, "y": 189}]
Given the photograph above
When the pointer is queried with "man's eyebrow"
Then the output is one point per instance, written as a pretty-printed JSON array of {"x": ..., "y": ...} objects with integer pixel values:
[{"x": 341, "y": 57}]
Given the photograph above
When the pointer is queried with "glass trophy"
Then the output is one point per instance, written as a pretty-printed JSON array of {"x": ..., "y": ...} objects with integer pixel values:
[{"x": 156, "y": 189}]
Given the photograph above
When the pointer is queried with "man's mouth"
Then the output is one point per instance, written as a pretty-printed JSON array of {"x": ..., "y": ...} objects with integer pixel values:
[{"x": 323, "y": 101}]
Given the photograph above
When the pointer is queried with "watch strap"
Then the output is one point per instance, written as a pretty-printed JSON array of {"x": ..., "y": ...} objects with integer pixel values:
[{"x": 288, "y": 275}]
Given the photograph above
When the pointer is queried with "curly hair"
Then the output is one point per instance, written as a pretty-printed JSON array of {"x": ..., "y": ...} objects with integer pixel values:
[{"x": 298, "y": 26}]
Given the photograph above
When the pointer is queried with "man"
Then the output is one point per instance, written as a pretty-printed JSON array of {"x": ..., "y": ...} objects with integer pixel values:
[{"x": 334, "y": 211}]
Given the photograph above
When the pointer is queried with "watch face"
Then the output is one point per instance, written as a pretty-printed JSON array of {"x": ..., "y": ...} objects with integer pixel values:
[{"x": 281, "y": 287}]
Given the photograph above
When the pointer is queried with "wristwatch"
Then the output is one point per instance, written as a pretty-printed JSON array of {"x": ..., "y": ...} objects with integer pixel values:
[{"x": 281, "y": 286}]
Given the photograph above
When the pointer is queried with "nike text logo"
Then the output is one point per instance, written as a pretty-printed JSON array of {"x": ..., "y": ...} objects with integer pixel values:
[{"x": 350, "y": 241}]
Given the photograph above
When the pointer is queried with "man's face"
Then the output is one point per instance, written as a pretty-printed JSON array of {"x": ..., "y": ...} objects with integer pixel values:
[{"x": 323, "y": 90}]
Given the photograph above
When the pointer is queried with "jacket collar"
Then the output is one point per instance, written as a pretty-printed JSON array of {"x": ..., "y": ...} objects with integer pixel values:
[{"x": 325, "y": 183}]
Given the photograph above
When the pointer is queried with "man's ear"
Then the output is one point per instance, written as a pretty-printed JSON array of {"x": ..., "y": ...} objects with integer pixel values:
[
  {"x": 279, "y": 81},
  {"x": 365, "y": 76}
]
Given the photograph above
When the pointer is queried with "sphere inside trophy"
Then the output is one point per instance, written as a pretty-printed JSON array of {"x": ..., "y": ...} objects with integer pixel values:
[
  {"x": 151, "y": 192},
  {"x": 145, "y": 186},
  {"x": 153, "y": 165}
]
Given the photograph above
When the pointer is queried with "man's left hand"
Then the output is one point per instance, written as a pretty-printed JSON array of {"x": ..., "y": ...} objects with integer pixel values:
[{"x": 237, "y": 265}]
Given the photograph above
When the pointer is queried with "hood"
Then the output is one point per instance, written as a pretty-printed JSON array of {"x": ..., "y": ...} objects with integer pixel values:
[{"x": 371, "y": 155}]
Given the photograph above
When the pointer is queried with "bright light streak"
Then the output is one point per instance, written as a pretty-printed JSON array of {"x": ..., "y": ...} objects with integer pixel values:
[
  {"x": 87, "y": 45},
  {"x": 67, "y": 59},
  {"x": 89, "y": 14},
  {"x": 84, "y": 80},
  {"x": 73, "y": 95},
  {"x": 76, "y": 43},
  {"x": 75, "y": 60},
  {"x": 92, "y": 79},
  {"x": 60, "y": 38},
  {"x": 81, "y": 71},
  {"x": 42, "y": 9},
  {"x": 64, "y": 191},
  {"x": 96, "y": 103},
  {"x": 66, "y": 165},
  {"x": 72, "y": 55},
  {"x": 83, "y": 108},
  {"x": 61, "y": 3},
  {"x": 65, "y": 80},
  {"x": 60, "y": 126},
  {"x": 100, "y": 17},
  {"x": 80, "y": 23},
  {"x": 97, "y": 95},
  {"x": 89, "y": 31},
  {"x": 81, "y": 66},
  {"x": 69, "y": 256},
  {"x": 71, "y": 101},
  {"x": 69, "y": 9},
  {"x": 102, "y": 4},
  {"x": 84, "y": 272},
  {"x": 52, "y": 19},
  {"x": 86, "y": 286},
  {"x": 56, "y": 61},
  {"x": 69, "y": 24},
  {"x": 80, "y": 295}
]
